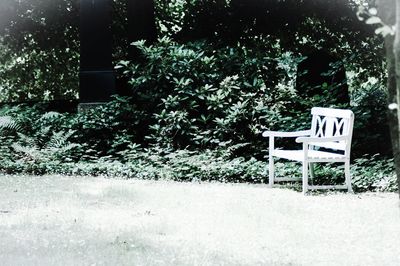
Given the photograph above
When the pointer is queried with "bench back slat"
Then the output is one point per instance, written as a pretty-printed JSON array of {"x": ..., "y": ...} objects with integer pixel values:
[{"x": 331, "y": 122}]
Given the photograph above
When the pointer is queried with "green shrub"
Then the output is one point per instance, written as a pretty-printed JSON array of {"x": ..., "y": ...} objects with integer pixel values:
[
  {"x": 108, "y": 128},
  {"x": 185, "y": 165},
  {"x": 374, "y": 173},
  {"x": 51, "y": 149},
  {"x": 371, "y": 129},
  {"x": 197, "y": 113},
  {"x": 197, "y": 96},
  {"x": 369, "y": 173},
  {"x": 102, "y": 131}
]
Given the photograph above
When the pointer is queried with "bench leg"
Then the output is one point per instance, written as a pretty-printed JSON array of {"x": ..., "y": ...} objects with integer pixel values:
[
  {"x": 271, "y": 161},
  {"x": 312, "y": 173},
  {"x": 305, "y": 177},
  {"x": 347, "y": 176},
  {"x": 271, "y": 171}
]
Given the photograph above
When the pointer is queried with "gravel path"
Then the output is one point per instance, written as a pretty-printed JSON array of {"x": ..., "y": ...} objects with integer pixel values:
[{"x": 55, "y": 220}]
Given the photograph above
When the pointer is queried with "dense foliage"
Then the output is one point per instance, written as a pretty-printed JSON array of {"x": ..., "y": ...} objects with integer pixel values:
[
  {"x": 39, "y": 50},
  {"x": 220, "y": 73},
  {"x": 39, "y": 55},
  {"x": 103, "y": 141},
  {"x": 200, "y": 96}
]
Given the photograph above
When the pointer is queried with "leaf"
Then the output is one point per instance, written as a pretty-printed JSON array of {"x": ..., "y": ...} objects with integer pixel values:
[
  {"x": 385, "y": 30},
  {"x": 373, "y": 20},
  {"x": 373, "y": 11},
  {"x": 393, "y": 106},
  {"x": 7, "y": 122},
  {"x": 50, "y": 115}
]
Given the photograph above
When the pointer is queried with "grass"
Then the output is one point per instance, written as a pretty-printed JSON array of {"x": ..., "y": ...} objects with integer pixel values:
[{"x": 57, "y": 220}]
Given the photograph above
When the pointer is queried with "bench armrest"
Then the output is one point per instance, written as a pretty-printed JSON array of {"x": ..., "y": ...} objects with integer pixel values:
[
  {"x": 286, "y": 134},
  {"x": 321, "y": 139}
]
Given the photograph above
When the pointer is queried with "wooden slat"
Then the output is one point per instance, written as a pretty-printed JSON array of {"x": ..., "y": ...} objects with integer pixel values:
[
  {"x": 287, "y": 179},
  {"x": 341, "y": 145},
  {"x": 328, "y": 187},
  {"x": 320, "y": 123},
  {"x": 297, "y": 155},
  {"x": 314, "y": 125},
  {"x": 331, "y": 112},
  {"x": 329, "y": 126}
]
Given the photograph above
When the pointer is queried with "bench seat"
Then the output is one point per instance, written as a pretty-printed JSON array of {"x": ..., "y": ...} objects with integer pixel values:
[{"x": 313, "y": 155}]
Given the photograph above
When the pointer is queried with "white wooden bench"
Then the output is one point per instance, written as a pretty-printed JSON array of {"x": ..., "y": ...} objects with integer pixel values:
[{"x": 331, "y": 129}]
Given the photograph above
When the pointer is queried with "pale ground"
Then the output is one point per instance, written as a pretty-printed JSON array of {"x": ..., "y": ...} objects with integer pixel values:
[{"x": 57, "y": 220}]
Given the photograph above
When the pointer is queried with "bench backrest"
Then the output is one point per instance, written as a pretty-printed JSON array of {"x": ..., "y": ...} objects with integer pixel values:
[{"x": 330, "y": 122}]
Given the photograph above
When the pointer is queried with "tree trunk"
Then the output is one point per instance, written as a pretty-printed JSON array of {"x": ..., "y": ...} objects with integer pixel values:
[
  {"x": 387, "y": 12},
  {"x": 392, "y": 98},
  {"x": 396, "y": 51}
]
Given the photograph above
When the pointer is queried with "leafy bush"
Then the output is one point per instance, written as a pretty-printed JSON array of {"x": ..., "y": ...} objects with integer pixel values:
[
  {"x": 374, "y": 173},
  {"x": 108, "y": 128},
  {"x": 371, "y": 129},
  {"x": 197, "y": 113},
  {"x": 198, "y": 96},
  {"x": 36, "y": 149},
  {"x": 50, "y": 146},
  {"x": 202, "y": 97},
  {"x": 98, "y": 132},
  {"x": 369, "y": 173},
  {"x": 185, "y": 165}
]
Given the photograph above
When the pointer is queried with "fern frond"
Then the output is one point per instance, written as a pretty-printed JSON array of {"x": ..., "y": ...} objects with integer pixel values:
[
  {"x": 42, "y": 136},
  {"x": 68, "y": 147},
  {"x": 59, "y": 139},
  {"x": 50, "y": 115},
  {"x": 28, "y": 152},
  {"x": 27, "y": 140},
  {"x": 44, "y": 130},
  {"x": 7, "y": 122}
]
